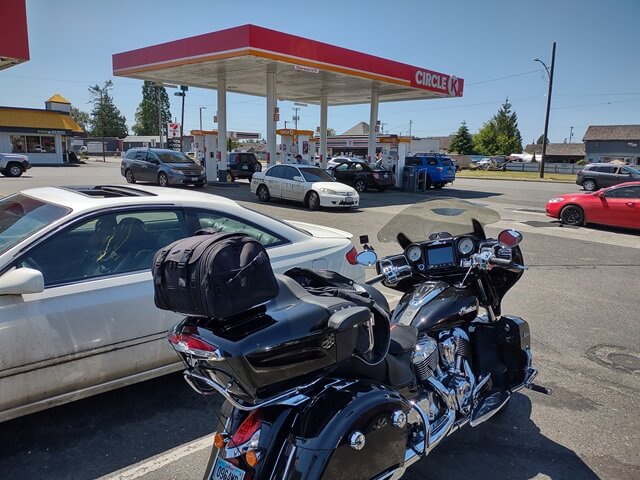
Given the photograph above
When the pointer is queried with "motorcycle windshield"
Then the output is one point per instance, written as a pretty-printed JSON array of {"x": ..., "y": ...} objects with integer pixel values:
[{"x": 439, "y": 215}]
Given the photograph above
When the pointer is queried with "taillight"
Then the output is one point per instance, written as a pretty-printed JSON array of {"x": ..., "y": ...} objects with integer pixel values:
[
  {"x": 351, "y": 256},
  {"x": 246, "y": 431},
  {"x": 187, "y": 342}
]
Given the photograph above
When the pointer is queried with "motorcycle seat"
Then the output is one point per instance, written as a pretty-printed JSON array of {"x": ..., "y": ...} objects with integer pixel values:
[{"x": 403, "y": 339}]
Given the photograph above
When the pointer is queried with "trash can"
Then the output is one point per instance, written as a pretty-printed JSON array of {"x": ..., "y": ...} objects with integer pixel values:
[
  {"x": 421, "y": 180},
  {"x": 409, "y": 179}
]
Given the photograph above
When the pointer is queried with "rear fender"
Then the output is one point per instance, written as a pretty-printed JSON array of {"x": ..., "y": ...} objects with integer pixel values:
[{"x": 320, "y": 445}]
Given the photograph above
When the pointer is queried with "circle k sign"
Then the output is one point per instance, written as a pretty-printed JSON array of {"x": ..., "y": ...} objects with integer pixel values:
[{"x": 449, "y": 84}]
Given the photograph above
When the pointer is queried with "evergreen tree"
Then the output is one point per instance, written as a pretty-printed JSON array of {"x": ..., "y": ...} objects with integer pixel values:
[
  {"x": 539, "y": 141},
  {"x": 81, "y": 118},
  {"x": 106, "y": 119},
  {"x": 153, "y": 97},
  {"x": 462, "y": 142},
  {"x": 500, "y": 135}
]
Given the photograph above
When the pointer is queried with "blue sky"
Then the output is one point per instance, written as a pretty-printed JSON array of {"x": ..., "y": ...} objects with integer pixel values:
[{"x": 491, "y": 44}]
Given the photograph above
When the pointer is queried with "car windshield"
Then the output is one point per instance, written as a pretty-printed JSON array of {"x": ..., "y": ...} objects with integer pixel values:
[
  {"x": 420, "y": 220},
  {"x": 316, "y": 175},
  {"x": 174, "y": 157},
  {"x": 633, "y": 170},
  {"x": 22, "y": 216}
]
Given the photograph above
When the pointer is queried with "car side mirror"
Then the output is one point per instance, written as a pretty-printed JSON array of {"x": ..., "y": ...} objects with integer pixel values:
[
  {"x": 20, "y": 281},
  {"x": 298, "y": 178},
  {"x": 599, "y": 194}
]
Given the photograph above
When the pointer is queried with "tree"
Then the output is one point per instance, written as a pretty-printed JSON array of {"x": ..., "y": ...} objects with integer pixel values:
[
  {"x": 331, "y": 132},
  {"x": 106, "y": 119},
  {"x": 500, "y": 135},
  {"x": 81, "y": 118},
  {"x": 540, "y": 138},
  {"x": 153, "y": 97},
  {"x": 232, "y": 144},
  {"x": 462, "y": 142}
]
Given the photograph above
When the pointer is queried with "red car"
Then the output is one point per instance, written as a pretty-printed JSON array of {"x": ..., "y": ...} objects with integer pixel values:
[{"x": 617, "y": 206}]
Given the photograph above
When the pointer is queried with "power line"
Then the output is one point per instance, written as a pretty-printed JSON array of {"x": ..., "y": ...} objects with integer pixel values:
[{"x": 503, "y": 78}]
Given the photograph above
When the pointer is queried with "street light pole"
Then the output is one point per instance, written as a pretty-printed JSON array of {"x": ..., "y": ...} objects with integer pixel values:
[
  {"x": 546, "y": 120},
  {"x": 201, "y": 108}
]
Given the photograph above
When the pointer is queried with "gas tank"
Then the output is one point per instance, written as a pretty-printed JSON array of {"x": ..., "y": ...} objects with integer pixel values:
[{"x": 436, "y": 305}]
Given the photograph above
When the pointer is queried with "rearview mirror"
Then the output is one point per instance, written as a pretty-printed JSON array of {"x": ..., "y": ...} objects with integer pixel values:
[
  {"x": 21, "y": 281},
  {"x": 509, "y": 238},
  {"x": 367, "y": 258},
  {"x": 298, "y": 178}
]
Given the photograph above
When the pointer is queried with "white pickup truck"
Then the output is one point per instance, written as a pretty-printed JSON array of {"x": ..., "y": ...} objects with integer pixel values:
[{"x": 13, "y": 164}]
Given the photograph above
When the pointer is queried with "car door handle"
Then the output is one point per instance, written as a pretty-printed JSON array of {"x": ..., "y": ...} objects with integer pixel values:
[{"x": 630, "y": 204}]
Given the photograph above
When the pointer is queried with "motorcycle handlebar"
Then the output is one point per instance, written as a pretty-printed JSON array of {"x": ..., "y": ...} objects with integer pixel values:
[
  {"x": 503, "y": 262},
  {"x": 375, "y": 279}
]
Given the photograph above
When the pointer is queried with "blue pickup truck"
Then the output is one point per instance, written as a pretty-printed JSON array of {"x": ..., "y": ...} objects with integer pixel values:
[{"x": 440, "y": 169}]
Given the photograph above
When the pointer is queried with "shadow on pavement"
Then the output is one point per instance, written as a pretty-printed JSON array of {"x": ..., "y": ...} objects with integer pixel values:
[
  {"x": 99, "y": 435},
  {"x": 506, "y": 447}
]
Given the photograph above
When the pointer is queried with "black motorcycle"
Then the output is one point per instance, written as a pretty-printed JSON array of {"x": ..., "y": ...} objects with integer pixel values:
[{"x": 325, "y": 382}]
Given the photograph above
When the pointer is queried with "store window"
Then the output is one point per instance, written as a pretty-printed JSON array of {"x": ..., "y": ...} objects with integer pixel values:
[
  {"x": 48, "y": 144},
  {"x": 18, "y": 144}
]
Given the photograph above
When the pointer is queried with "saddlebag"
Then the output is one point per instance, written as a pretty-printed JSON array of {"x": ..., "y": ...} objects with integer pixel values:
[{"x": 214, "y": 275}]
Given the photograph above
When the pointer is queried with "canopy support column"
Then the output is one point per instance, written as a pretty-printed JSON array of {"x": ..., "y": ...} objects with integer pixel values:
[
  {"x": 324, "y": 107},
  {"x": 271, "y": 117},
  {"x": 373, "y": 120},
  {"x": 222, "y": 127}
]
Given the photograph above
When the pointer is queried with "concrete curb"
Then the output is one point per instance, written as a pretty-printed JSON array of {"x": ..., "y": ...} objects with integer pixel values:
[{"x": 514, "y": 179}]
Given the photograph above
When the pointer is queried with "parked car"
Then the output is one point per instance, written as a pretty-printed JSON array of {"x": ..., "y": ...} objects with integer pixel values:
[
  {"x": 617, "y": 206},
  {"x": 308, "y": 184},
  {"x": 334, "y": 161},
  {"x": 600, "y": 175},
  {"x": 440, "y": 169},
  {"x": 362, "y": 176},
  {"x": 13, "y": 164},
  {"x": 76, "y": 296},
  {"x": 164, "y": 167},
  {"x": 242, "y": 165}
]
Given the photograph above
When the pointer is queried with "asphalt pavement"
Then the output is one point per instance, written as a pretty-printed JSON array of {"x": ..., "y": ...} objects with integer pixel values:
[{"x": 580, "y": 297}]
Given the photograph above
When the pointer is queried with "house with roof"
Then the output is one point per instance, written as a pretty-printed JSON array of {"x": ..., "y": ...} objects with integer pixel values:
[
  {"x": 606, "y": 143},
  {"x": 40, "y": 134},
  {"x": 557, "y": 152}
]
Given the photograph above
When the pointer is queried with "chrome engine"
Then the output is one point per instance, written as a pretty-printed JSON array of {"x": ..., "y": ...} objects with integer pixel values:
[{"x": 443, "y": 368}]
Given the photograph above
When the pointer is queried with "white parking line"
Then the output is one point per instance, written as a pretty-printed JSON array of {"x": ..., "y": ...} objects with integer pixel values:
[{"x": 159, "y": 461}]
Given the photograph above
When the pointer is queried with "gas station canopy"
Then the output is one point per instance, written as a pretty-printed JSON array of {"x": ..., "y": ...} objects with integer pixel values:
[{"x": 305, "y": 69}]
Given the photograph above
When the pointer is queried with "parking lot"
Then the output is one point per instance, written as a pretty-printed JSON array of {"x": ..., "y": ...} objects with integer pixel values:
[{"x": 579, "y": 297}]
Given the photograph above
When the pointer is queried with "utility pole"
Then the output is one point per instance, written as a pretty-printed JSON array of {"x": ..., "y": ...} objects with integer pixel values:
[
  {"x": 546, "y": 120},
  {"x": 410, "y": 123},
  {"x": 159, "y": 113},
  {"x": 104, "y": 159},
  {"x": 182, "y": 93},
  {"x": 571, "y": 134},
  {"x": 201, "y": 108},
  {"x": 295, "y": 116}
]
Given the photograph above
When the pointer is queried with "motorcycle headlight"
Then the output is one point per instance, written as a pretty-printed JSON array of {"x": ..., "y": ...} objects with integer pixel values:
[
  {"x": 556, "y": 200},
  {"x": 328, "y": 191}
]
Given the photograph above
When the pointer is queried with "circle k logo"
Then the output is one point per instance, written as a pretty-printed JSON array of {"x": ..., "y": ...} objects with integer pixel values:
[{"x": 453, "y": 86}]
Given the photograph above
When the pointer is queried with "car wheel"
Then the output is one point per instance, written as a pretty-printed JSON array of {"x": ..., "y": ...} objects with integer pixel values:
[
  {"x": 13, "y": 170},
  {"x": 128, "y": 174},
  {"x": 589, "y": 185},
  {"x": 230, "y": 177},
  {"x": 382, "y": 189},
  {"x": 572, "y": 215},
  {"x": 361, "y": 186},
  {"x": 263, "y": 193},
  {"x": 313, "y": 201},
  {"x": 438, "y": 186},
  {"x": 257, "y": 167},
  {"x": 163, "y": 180}
]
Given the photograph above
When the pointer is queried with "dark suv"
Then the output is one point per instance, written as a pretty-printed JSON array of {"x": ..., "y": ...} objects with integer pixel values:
[
  {"x": 164, "y": 167},
  {"x": 601, "y": 175},
  {"x": 440, "y": 169},
  {"x": 242, "y": 165}
]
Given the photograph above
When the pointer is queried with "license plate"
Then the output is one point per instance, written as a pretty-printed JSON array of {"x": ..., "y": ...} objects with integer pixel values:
[
  {"x": 386, "y": 175},
  {"x": 348, "y": 200},
  {"x": 245, "y": 167},
  {"x": 223, "y": 470}
]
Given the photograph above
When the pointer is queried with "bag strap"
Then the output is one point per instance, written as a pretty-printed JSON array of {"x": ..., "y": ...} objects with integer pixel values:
[{"x": 247, "y": 270}]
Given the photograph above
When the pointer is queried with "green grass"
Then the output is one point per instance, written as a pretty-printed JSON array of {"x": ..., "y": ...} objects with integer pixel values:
[{"x": 508, "y": 175}]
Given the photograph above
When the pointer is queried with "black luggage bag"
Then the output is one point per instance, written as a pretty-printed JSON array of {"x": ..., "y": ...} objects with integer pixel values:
[{"x": 216, "y": 275}]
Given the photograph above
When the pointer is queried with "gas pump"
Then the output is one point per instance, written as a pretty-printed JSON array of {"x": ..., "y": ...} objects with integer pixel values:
[
  {"x": 394, "y": 151},
  {"x": 206, "y": 142},
  {"x": 295, "y": 142}
]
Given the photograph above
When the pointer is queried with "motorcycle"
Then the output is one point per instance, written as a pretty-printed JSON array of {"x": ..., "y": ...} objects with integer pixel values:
[{"x": 326, "y": 382}]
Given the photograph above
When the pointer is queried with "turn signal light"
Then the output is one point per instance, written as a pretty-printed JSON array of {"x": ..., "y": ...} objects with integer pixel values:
[
  {"x": 218, "y": 441},
  {"x": 351, "y": 256},
  {"x": 251, "y": 458}
]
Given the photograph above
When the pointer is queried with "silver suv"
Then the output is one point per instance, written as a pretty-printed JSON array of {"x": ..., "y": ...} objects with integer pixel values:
[
  {"x": 600, "y": 175},
  {"x": 164, "y": 167}
]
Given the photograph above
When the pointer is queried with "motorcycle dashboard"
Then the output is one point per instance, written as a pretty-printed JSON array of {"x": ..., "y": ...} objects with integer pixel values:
[{"x": 440, "y": 254}]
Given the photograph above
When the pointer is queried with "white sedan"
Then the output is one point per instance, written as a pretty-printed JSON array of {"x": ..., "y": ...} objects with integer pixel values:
[
  {"x": 76, "y": 295},
  {"x": 308, "y": 184}
]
